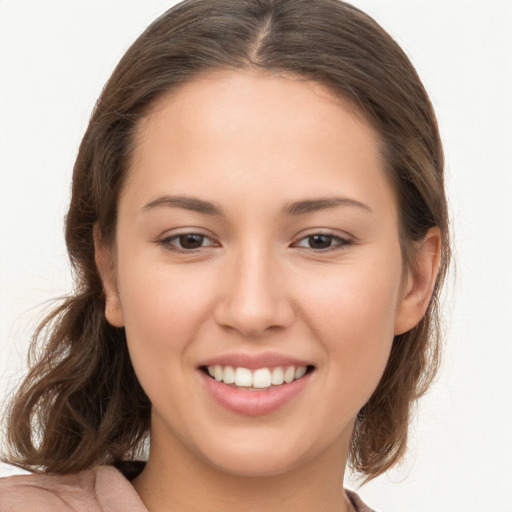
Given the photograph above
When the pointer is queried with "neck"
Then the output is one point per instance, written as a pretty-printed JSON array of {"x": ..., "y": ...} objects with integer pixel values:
[{"x": 175, "y": 480}]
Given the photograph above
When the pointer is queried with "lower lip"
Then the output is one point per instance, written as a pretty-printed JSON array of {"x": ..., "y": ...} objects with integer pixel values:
[{"x": 253, "y": 403}]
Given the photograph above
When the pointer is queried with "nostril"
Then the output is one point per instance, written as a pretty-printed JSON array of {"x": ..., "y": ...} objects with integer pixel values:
[{"x": 254, "y": 310}]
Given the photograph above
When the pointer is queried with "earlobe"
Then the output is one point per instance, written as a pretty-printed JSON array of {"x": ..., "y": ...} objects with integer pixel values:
[
  {"x": 106, "y": 268},
  {"x": 420, "y": 282}
]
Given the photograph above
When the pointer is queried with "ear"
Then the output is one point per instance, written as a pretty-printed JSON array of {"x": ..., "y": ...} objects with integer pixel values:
[
  {"x": 420, "y": 282},
  {"x": 105, "y": 262}
]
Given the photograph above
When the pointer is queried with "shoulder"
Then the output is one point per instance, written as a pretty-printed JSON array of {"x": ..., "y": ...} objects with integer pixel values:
[
  {"x": 101, "y": 489},
  {"x": 356, "y": 501},
  {"x": 47, "y": 492}
]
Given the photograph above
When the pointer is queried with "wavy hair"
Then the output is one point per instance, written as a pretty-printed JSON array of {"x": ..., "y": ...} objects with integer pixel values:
[{"x": 81, "y": 403}]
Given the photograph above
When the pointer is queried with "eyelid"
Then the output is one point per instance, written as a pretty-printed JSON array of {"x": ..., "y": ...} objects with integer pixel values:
[
  {"x": 166, "y": 241},
  {"x": 343, "y": 240}
]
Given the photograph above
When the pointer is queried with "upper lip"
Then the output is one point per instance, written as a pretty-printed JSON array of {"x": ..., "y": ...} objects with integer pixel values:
[{"x": 254, "y": 361}]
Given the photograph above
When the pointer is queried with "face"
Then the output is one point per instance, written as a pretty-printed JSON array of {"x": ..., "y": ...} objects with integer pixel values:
[{"x": 257, "y": 239}]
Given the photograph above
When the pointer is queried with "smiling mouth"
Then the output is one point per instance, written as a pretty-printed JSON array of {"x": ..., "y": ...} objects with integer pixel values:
[{"x": 259, "y": 379}]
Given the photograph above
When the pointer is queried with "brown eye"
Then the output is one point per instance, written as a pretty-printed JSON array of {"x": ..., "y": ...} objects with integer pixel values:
[
  {"x": 319, "y": 241},
  {"x": 187, "y": 242},
  {"x": 190, "y": 241},
  {"x": 322, "y": 242}
]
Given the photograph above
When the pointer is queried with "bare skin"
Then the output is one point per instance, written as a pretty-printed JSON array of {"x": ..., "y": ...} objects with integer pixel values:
[{"x": 257, "y": 219}]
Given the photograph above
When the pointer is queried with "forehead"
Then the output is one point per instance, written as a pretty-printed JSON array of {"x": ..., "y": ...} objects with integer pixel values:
[
  {"x": 248, "y": 127},
  {"x": 223, "y": 97}
]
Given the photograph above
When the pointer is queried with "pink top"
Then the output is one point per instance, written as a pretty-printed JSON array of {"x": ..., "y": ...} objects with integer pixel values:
[{"x": 101, "y": 489}]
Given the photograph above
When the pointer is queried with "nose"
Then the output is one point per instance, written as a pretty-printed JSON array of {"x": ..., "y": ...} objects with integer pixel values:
[{"x": 253, "y": 295}]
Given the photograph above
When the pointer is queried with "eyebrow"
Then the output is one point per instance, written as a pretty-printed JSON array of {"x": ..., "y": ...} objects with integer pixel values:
[
  {"x": 185, "y": 202},
  {"x": 301, "y": 207},
  {"x": 323, "y": 203}
]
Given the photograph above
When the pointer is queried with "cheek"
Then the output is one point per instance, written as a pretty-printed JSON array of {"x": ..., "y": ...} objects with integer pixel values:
[
  {"x": 359, "y": 299},
  {"x": 353, "y": 313},
  {"x": 162, "y": 309}
]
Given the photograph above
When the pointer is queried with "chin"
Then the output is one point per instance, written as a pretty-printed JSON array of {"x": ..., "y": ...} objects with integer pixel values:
[
  {"x": 261, "y": 465},
  {"x": 257, "y": 456}
]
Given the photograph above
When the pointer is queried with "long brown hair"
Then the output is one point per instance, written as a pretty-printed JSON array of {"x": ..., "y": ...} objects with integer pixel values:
[{"x": 81, "y": 403}]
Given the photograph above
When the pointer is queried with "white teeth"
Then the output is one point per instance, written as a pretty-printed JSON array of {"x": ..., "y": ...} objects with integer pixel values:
[
  {"x": 289, "y": 374},
  {"x": 243, "y": 377},
  {"x": 260, "y": 378},
  {"x": 277, "y": 376},
  {"x": 229, "y": 375},
  {"x": 300, "y": 372}
]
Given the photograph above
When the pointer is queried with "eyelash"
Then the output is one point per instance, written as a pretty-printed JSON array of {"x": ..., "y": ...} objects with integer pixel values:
[
  {"x": 340, "y": 244},
  {"x": 169, "y": 242}
]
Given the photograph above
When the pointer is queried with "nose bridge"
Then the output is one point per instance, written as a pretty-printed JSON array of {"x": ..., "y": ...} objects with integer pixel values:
[{"x": 254, "y": 297}]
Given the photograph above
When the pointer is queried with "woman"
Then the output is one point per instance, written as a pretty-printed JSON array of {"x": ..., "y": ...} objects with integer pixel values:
[{"x": 259, "y": 231}]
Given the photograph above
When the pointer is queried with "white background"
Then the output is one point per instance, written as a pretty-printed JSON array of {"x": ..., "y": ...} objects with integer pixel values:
[{"x": 55, "y": 57}]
